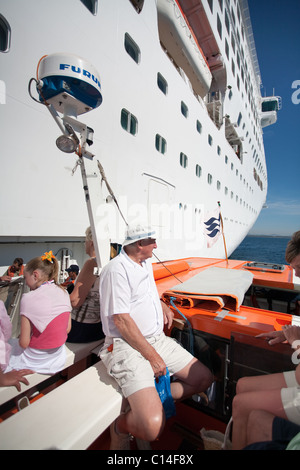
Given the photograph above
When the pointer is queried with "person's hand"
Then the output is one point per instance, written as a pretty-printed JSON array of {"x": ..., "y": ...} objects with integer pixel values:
[
  {"x": 5, "y": 278},
  {"x": 158, "y": 365},
  {"x": 14, "y": 377},
  {"x": 273, "y": 337}
]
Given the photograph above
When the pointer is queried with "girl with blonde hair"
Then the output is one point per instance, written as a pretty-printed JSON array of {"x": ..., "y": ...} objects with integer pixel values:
[{"x": 45, "y": 319}]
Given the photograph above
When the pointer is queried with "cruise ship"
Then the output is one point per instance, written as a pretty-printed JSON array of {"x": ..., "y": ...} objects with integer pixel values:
[
  {"x": 179, "y": 132},
  {"x": 169, "y": 132}
]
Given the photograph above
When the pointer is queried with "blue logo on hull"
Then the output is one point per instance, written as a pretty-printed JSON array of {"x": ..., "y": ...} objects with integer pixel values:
[{"x": 80, "y": 71}]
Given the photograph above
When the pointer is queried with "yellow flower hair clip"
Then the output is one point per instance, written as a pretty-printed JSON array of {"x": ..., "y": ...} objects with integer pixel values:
[{"x": 48, "y": 256}]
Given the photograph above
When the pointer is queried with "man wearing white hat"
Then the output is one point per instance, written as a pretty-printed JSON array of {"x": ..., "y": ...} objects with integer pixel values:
[{"x": 136, "y": 350}]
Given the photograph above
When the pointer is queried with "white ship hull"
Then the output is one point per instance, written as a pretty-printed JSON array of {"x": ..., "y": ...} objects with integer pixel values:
[{"x": 43, "y": 204}]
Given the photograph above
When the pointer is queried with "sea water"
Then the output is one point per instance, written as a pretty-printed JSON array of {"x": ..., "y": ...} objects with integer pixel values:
[{"x": 265, "y": 249}]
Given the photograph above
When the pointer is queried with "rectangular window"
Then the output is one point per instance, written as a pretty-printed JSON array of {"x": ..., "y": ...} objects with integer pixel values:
[
  {"x": 160, "y": 144},
  {"x": 227, "y": 24},
  {"x": 162, "y": 83},
  {"x": 233, "y": 43},
  {"x": 198, "y": 170},
  {"x": 219, "y": 26},
  {"x": 198, "y": 126},
  {"x": 183, "y": 160},
  {"x": 184, "y": 109},
  {"x": 129, "y": 122},
  {"x": 92, "y": 5},
  {"x": 132, "y": 48},
  {"x": 226, "y": 49}
]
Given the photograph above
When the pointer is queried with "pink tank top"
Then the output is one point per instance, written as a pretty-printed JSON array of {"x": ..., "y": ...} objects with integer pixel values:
[{"x": 54, "y": 335}]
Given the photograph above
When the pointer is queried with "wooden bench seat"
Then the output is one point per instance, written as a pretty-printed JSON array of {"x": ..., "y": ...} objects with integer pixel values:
[
  {"x": 75, "y": 352},
  {"x": 70, "y": 417}
]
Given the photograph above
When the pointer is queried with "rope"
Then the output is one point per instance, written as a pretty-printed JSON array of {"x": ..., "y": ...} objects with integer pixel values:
[
  {"x": 101, "y": 169},
  {"x": 191, "y": 342}
]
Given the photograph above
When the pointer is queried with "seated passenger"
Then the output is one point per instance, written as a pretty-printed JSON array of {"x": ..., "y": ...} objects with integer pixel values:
[
  {"x": 45, "y": 319},
  {"x": 86, "y": 322}
]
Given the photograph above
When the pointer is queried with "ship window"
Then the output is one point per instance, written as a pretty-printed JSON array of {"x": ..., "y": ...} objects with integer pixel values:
[
  {"x": 226, "y": 48},
  {"x": 132, "y": 48},
  {"x": 184, "y": 109},
  {"x": 160, "y": 144},
  {"x": 239, "y": 119},
  {"x": 92, "y": 5},
  {"x": 218, "y": 150},
  {"x": 218, "y": 185},
  {"x": 129, "y": 122},
  {"x": 242, "y": 73},
  {"x": 221, "y": 4},
  {"x": 210, "y": 139},
  {"x": 271, "y": 105},
  {"x": 198, "y": 170},
  {"x": 233, "y": 16},
  {"x": 219, "y": 26},
  {"x": 226, "y": 190},
  {"x": 233, "y": 67},
  {"x": 210, "y": 3},
  {"x": 209, "y": 178},
  {"x": 233, "y": 42},
  {"x": 162, "y": 83},
  {"x": 227, "y": 24},
  {"x": 199, "y": 126},
  {"x": 238, "y": 13},
  {"x": 138, "y": 5},
  {"x": 5, "y": 33},
  {"x": 183, "y": 160}
]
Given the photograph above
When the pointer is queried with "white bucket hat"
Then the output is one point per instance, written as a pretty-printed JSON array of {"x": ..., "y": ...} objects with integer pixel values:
[{"x": 138, "y": 232}]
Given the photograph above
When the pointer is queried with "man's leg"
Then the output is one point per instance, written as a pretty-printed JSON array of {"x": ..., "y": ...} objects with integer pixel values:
[
  {"x": 145, "y": 419},
  {"x": 193, "y": 378}
]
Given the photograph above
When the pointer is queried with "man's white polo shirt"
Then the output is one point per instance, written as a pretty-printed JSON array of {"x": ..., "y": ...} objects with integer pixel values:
[{"x": 128, "y": 287}]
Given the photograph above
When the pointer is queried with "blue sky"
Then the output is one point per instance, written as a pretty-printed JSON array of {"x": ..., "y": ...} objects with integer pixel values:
[{"x": 276, "y": 30}]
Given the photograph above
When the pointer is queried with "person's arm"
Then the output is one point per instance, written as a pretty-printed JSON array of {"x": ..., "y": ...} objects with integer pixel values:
[
  {"x": 168, "y": 314},
  {"x": 69, "y": 324},
  {"x": 131, "y": 333},
  {"x": 25, "y": 334},
  {"x": 84, "y": 283}
]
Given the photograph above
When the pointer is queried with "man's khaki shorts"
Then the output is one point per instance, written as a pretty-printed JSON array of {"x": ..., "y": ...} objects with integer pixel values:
[{"x": 132, "y": 371}]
